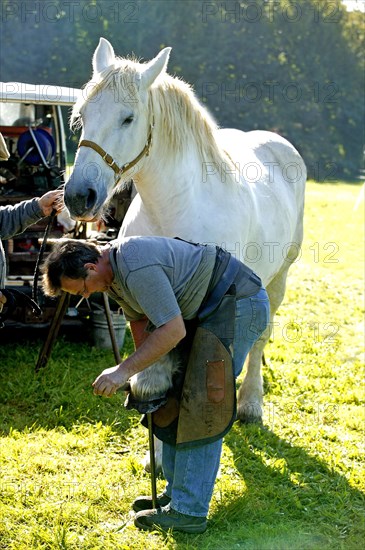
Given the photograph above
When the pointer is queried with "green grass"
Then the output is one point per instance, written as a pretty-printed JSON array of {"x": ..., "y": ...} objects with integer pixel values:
[{"x": 71, "y": 462}]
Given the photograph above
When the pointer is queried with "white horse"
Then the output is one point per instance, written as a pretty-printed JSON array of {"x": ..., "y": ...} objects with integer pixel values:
[{"x": 242, "y": 191}]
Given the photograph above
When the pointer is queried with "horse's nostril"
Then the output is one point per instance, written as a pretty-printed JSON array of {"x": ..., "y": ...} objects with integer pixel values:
[{"x": 91, "y": 198}]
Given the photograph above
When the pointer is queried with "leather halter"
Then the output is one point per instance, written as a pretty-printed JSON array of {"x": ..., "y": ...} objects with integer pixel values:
[{"x": 109, "y": 159}]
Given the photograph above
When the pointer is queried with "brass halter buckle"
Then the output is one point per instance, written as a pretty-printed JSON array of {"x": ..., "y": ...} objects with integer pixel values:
[{"x": 108, "y": 159}]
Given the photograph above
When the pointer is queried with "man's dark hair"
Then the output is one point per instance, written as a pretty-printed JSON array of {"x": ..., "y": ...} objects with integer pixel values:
[{"x": 68, "y": 258}]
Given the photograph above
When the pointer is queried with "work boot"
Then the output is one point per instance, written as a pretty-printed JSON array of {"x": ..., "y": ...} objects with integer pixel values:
[
  {"x": 167, "y": 518},
  {"x": 145, "y": 503}
]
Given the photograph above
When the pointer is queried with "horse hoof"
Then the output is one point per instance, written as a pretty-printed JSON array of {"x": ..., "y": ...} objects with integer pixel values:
[
  {"x": 250, "y": 414},
  {"x": 250, "y": 420},
  {"x": 147, "y": 464}
]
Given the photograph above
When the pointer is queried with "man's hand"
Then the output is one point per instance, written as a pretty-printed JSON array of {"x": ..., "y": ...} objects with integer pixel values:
[
  {"x": 53, "y": 200},
  {"x": 110, "y": 380},
  {"x": 149, "y": 350}
]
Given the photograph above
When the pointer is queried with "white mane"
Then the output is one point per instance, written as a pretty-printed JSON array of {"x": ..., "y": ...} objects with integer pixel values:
[{"x": 182, "y": 118}]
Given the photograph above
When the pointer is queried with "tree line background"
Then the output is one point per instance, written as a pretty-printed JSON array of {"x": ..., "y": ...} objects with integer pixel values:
[{"x": 292, "y": 66}]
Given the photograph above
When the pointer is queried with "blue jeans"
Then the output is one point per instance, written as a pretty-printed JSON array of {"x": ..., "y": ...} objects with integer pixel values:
[{"x": 191, "y": 473}]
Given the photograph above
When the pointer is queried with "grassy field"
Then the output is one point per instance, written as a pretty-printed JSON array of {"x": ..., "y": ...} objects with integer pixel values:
[{"x": 71, "y": 462}]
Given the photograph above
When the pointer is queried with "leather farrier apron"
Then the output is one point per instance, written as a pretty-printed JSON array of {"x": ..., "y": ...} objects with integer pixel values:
[{"x": 201, "y": 407}]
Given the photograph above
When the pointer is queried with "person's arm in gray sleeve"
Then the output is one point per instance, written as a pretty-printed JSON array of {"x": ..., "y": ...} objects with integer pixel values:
[{"x": 15, "y": 219}]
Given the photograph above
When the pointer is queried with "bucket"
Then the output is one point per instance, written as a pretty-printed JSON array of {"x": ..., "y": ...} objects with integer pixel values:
[{"x": 101, "y": 334}]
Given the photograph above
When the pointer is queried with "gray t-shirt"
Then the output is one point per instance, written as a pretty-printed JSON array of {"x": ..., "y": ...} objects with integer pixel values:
[{"x": 159, "y": 277}]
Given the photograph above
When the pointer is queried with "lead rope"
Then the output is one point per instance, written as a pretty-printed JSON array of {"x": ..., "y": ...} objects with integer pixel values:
[
  {"x": 35, "y": 293},
  {"x": 15, "y": 297}
]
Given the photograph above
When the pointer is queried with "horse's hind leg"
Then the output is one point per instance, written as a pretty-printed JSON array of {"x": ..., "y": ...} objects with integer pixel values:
[{"x": 250, "y": 395}]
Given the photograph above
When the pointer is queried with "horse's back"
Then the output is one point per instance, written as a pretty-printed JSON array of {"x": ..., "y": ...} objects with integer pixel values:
[
  {"x": 277, "y": 157},
  {"x": 257, "y": 140}
]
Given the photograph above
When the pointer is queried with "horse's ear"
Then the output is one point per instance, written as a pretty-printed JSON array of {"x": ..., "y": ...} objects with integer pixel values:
[
  {"x": 155, "y": 67},
  {"x": 104, "y": 56}
]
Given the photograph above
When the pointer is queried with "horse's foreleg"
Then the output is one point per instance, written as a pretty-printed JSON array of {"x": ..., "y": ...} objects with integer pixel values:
[
  {"x": 154, "y": 381},
  {"x": 158, "y": 458},
  {"x": 250, "y": 395}
]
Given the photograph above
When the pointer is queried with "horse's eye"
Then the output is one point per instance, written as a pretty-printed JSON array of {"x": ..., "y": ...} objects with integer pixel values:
[{"x": 128, "y": 120}]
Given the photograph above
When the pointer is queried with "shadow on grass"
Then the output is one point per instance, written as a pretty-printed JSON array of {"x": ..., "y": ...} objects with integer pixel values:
[
  {"x": 288, "y": 497},
  {"x": 285, "y": 497}
]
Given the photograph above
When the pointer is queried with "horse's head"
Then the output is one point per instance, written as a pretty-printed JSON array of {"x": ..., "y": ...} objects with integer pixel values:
[{"x": 116, "y": 128}]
